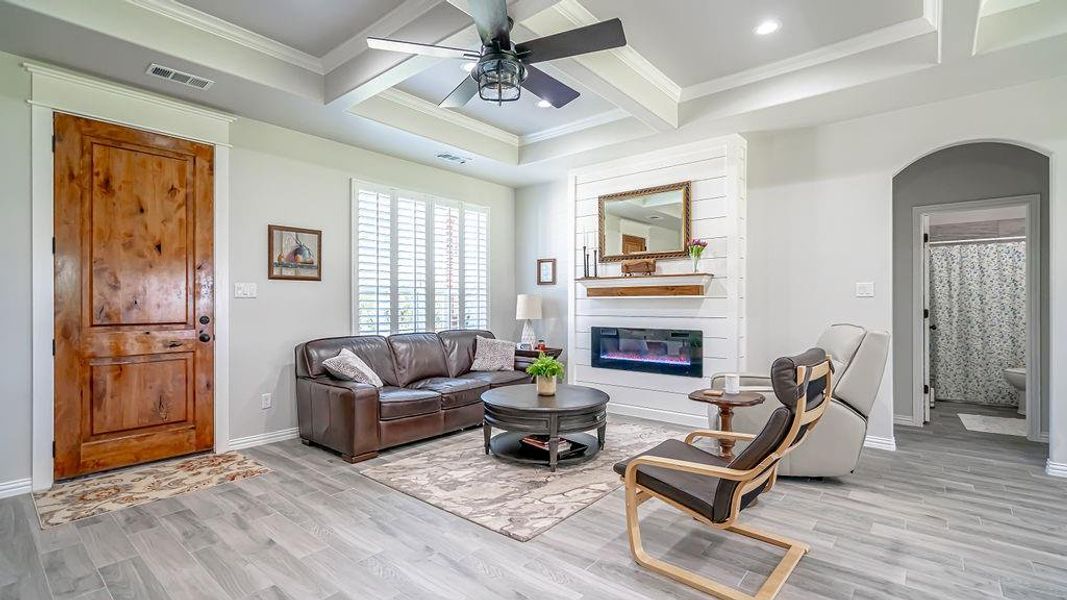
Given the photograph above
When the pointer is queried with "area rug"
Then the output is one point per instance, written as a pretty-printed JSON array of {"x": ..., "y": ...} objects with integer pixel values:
[
  {"x": 989, "y": 424},
  {"x": 95, "y": 494},
  {"x": 519, "y": 501}
]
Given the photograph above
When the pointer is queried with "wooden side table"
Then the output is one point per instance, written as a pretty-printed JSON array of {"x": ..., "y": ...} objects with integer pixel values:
[{"x": 727, "y": 403}]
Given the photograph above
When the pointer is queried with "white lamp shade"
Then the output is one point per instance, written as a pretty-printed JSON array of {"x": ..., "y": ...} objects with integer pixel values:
[{"x": 528, "y": 306}]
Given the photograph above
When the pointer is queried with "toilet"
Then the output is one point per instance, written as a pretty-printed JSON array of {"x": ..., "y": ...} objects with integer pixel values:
[{"x": 1017, "y": 378}]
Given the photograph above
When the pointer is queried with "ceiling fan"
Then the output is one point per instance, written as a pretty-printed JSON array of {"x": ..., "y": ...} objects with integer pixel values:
[{"x": 503, "y": 68}]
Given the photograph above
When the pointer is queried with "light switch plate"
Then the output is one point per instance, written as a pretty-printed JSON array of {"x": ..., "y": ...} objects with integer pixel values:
[
  {"x": 865, "y": 289},
  {"x": 265, "y": 401},
  {"x": 244, "y": 290}
]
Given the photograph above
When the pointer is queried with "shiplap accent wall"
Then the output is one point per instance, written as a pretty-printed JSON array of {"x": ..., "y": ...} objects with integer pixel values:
[{"x": 716, "y": 169}]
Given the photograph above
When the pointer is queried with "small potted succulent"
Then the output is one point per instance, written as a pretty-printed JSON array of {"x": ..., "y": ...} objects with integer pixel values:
[
  {"x": 696, "y": 248},
  {"x": 546, "y": 371}
]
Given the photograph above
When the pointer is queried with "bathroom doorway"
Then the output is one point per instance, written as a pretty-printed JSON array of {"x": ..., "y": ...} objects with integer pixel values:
[{"x": 978, "y": 320}]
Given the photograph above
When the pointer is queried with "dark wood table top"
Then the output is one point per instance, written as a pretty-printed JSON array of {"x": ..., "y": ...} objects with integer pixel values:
[
  {"x": 553, "y": 352},
  {"x": 739, "y": 399},
  {"x": 568, "y": 398}
]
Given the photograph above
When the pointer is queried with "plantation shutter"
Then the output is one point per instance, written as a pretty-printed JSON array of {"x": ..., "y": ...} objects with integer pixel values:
[{"x": 419, "y": 262}]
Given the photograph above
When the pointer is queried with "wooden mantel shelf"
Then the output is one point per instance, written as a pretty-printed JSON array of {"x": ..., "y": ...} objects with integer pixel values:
[{"x": 648, "y": 286}]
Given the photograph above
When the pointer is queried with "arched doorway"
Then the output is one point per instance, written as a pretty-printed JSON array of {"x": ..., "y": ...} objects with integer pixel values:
[{"x": 973, "y": 176}]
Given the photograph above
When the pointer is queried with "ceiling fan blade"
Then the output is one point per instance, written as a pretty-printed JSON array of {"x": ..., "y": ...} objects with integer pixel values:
[
  {"x": 599, "y": 36},
  {"x": 491, "y": 19},
  {"x": 460, "y": 96},
  {"x": 546, "y": 87},
  {"x": 417, "y": 48}
]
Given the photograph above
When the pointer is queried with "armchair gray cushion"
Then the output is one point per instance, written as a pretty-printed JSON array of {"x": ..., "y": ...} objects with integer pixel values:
[{"x": 859, "y": 357}]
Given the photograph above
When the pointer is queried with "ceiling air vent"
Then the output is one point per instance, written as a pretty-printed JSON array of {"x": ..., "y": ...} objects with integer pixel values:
[
  {"x": 459, "y": 160},
  {"x": 158, "y": 70}
]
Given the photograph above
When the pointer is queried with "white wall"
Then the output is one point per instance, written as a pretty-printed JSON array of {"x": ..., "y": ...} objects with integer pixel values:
[
  {"x": 282, "y": 177},
  {"x": 541, "y": 232},
  {"x": 15, "y": 299},
  {"x": 716, "y": 169},
  {"x": 820, "y": 220}
]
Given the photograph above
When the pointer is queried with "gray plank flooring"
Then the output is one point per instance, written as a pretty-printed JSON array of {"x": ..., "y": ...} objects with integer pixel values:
[{"x": 951, "y": 514}]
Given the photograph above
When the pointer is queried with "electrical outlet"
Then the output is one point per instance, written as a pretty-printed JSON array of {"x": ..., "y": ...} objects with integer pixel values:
[
  {"x": 865, "y": 290},
  {"x": 265, "y": 401}
]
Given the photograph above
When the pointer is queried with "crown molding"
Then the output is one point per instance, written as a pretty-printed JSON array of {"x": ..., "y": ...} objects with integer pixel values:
[
  {"x": 429, "y": 108},
  {"x": 603, "y": 118},
  {"x": 885, "y": 36},
  {"x": 580, "y": 16},
  {"x": 39, "y": 70},
  {"x": 393, "y": 21},
  {"x": 226, "y": 30}
]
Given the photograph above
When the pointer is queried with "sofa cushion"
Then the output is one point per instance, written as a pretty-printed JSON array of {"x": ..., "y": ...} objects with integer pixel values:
[
  {"x": 348, "y": 366},
  {"x": 372, "y": 349},
  {"x": 454, "y": 392},
  {"x": 494, "y": 355},
  {"x": 417, "y": 356},
  {"x": 396, "y": 402},
  {"x": 459, "y": 347},
  {"x": 498, "y": 378}
]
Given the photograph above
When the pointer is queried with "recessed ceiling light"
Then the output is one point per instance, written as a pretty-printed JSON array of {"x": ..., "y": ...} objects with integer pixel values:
[
  {"x": 544, "y": 104},
  {"x": 467, "y": 66},
  {"x": 768, "y": 27}
]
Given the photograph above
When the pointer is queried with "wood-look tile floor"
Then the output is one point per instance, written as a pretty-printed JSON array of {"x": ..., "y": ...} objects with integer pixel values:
[{"x": 951, "y": 514}]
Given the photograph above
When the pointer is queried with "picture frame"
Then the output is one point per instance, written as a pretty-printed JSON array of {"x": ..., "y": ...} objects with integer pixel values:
[
  {"x": 546, "y": 271},
  {"x": 294, "y": 253}
]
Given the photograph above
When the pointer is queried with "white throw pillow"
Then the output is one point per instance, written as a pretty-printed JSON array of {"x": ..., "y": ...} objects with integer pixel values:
[
  {"x": 347, "y": 365},
  {"x": 493, "y": 355}
]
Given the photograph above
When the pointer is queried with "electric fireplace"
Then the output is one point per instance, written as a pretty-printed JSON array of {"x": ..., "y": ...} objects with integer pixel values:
[{"x": 665, "y": 351}]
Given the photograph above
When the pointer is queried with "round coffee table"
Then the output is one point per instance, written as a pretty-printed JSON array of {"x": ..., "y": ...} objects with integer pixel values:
[{"x": 519, "y": 411}]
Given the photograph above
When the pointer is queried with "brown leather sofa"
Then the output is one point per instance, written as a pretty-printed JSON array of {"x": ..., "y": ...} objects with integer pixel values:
[{"x": 429, "y": 390}]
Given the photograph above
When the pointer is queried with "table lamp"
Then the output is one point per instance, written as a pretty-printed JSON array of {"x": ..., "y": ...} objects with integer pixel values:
[{"x": 527, "y": 308}]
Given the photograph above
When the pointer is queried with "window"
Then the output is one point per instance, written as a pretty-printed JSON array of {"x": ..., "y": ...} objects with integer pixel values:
[{"x": 420, "y": 262}]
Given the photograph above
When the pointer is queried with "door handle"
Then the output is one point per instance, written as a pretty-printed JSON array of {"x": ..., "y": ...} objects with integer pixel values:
[
  {"x": 204, "y": 337},
  {"x": 933, "y": 327}
]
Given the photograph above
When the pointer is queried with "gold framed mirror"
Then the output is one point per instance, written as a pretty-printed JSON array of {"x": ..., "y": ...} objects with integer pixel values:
[{"x": 648, "y": 223}]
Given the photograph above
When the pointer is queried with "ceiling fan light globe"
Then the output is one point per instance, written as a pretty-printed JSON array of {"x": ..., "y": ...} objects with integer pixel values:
[{"x": 499, "y": 79}]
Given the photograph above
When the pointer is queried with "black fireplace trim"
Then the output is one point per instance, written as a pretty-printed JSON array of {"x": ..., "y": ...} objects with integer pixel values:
[{"x": 695, "y": 367}]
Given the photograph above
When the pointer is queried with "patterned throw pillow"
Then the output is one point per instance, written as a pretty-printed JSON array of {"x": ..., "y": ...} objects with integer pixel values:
[
  {"x": 493, "y": 355},
  {"x": 348, "y": 366}
]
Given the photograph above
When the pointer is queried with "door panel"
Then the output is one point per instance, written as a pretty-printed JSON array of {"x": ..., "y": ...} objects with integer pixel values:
[{"x": 134, "y": 285}]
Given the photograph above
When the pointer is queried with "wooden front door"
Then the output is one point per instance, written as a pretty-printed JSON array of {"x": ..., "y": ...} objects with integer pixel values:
[
  {"x": 631, "y": 244},
  {"x": 134, "y": 296}
]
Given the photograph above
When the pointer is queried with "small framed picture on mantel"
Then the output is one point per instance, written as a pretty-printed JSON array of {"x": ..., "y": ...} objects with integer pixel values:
[
  {"x": 294, "y": 254},
  {"x": 546, "y": 271}
]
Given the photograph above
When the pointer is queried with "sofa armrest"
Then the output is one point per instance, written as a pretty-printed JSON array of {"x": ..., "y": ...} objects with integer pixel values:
[
  {"x": 340, "y": 415},
  {"x": 749, "y": 380}
]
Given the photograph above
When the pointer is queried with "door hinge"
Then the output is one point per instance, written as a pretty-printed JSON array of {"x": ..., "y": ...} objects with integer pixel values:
[
  {"x": 926, "y": 313},
  {"x": 53, "y": 448},
  {"x": 53, "y": 346},
  {"x": 926, "y": 238},
  {"x": 926, "y": 389},
  {"x": 53, "y": 245}
]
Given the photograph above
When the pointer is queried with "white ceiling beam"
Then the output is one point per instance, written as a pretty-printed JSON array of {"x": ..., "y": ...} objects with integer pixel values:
[
  {"x": 958, "y": 28},
  {"x": 415, "y": 115},
  {"x": 622, "y": 76},
  {"x": 373, "y": 71}
]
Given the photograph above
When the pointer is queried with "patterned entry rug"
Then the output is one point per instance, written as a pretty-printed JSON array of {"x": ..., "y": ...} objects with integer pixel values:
[
  {"x": 519, "y": 501},
  {"x": 94, "y": 494},
  {"x": 991, "y": 424}
]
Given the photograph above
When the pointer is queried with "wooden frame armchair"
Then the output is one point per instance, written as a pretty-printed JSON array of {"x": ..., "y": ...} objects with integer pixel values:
[{"x": 714, "y": 491}]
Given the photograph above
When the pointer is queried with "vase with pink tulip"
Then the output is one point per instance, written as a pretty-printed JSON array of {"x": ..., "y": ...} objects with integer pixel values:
[{"x": 696, "y": 248}]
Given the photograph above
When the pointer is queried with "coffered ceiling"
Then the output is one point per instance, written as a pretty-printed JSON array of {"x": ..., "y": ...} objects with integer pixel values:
[{"x": 692, "y": 68}]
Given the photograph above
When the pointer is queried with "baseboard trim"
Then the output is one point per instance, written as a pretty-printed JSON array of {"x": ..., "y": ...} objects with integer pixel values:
[
  {"x": 15, "y": 487},
  {"x": 905, "y": 420},
  {"x": 264, "y": 438},
  {"x": 881, "y": 443},
  {"x": 1055, "y": 469},
  {"x": 654, "y": 414}
]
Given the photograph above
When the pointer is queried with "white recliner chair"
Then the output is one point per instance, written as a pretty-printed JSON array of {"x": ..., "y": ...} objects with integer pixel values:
[{"x": 859, "y": 357}]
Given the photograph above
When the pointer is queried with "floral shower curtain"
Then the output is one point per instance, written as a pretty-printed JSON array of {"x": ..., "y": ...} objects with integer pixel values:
[{"x": 978, "y": 302}]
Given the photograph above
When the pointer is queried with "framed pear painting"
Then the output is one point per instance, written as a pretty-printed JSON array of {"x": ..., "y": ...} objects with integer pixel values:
[{"x": 294, "y": 254}]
